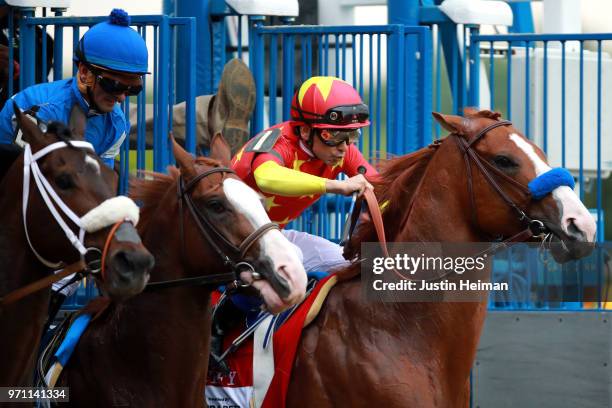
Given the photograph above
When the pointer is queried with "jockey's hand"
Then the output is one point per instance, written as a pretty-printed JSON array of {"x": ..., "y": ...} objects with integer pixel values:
[{"x": 356, "y": 184}]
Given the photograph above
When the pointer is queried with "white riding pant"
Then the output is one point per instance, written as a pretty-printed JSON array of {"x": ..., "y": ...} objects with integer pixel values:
[
  {"x": 68, "y": 290},
  {"x": 316, "y": 253}
]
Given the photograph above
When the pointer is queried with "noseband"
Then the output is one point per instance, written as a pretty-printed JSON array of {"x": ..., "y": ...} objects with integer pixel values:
[
  {"x": 234, "y": 261},
  {"x": 535, "y": 228}
]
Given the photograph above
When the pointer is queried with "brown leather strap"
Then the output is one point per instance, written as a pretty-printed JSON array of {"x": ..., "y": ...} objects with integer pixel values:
[
  {"x": 109, "y": 239},
  {"x": 254, "y": 236},
  {"x": 40, "y": 284},
  {"x": 377, "y": 219}
]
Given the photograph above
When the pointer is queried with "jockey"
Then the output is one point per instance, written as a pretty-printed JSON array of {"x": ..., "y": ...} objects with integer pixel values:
[
  {"x": 111, "y": 58},
  {"x": 292, "y": 164}
]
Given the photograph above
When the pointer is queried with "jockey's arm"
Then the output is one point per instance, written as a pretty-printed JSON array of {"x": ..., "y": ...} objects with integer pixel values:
[{"x": 272, "y": 178}]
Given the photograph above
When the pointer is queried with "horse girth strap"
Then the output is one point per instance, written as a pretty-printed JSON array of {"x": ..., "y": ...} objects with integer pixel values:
[{"x": 40, "y": 284}]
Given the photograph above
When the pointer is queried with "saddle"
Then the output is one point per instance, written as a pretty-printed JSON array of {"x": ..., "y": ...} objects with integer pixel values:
[{"x": 260, "y": 358}]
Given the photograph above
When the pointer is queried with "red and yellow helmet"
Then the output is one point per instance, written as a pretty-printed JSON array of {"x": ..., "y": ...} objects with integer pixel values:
[{"x": 330, "y": 103}]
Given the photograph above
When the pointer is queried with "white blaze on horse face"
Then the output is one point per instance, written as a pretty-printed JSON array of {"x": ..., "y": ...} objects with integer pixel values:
[
  {"x": 273, "y": 244},
  {"x": 93, "y": 163},
  {"x": 572, "y": 211}
]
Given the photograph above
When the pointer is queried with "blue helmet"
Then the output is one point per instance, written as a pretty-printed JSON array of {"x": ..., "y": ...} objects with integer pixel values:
[{"x": 114, "y": 45}]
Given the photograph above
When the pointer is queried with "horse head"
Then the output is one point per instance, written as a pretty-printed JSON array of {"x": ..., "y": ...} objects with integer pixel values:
[
  {"x": 231, "y": 217},
  {"x": 510, "y": 183},
  {"x": 65, "y": 185}
]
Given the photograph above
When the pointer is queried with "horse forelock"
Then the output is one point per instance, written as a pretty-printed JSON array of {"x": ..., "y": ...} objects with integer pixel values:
[
  {"x": 61, "y": 131},
  {"x": 397, "y": 186}
]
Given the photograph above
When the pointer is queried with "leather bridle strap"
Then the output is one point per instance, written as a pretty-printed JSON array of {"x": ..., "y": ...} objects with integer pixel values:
[
  {"x": 486, "y": 169},
  {"x": 204, "y": 280},
  {"x": 40, "y": 284},
  {"x": 377, "y": 220},
  {"x": 213, "y": 236},
  {"x": 254, "y": 236}
]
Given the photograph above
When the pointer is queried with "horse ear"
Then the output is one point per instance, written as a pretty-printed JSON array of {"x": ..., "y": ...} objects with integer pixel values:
[
  {"x": 31, "y": 133},
  {"x": 220, "y": 150},
  {"x": 452, "y": 123},
  {"x": 184, "y": 160}
]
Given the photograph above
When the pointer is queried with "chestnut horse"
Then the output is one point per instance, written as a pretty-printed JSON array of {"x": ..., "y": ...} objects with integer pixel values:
[
  {"x": 361, "y": 354},
  {"x": 62, "y": 184},
  {"x": 153, "y": 349}
]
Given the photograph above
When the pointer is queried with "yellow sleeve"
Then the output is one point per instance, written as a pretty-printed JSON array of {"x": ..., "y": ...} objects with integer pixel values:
[{"x": 273, "y": 178}]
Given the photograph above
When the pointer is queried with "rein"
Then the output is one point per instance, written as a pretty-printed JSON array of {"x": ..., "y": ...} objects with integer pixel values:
[
  {"x": 78, "y": 267},
  {"x": 40, "y": 284},
  {"x": 211, "y": 234}
]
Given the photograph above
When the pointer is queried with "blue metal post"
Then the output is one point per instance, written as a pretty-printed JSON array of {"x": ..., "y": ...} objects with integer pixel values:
[
  {"x": 395, "y": 90},
  {"x": 27, "y": 55},
  {"x": 426, "y": 81},
  {"x": 199, "y": 9},
  {"x": 58, "y": 33},
  {"x": 523, "y": 17},
  {"x": 406, "y": 12},
  {"x": 161, "y": 151},
  {"x": 190, "y": 136},
  {"x": 403, "y": 12},
  {"x": 169, "y": 7},
  {"x": 256, "y": 62},
  {"x": 474, "y": 92}
]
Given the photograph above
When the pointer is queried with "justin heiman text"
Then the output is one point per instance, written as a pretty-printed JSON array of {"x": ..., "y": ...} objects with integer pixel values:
[{"x": 417, "y": 285}]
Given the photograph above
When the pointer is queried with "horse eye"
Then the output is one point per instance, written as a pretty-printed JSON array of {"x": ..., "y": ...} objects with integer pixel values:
[
  {"x": 64, "y": 181},
  {"x": 215, "y": 206},
  {"x": 504, "y": 162}
]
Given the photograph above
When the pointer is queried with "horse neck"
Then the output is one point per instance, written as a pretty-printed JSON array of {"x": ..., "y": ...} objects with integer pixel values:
[
  {"x": 23, "y": 320},
  {"x": 441, "y": 212},
  {"x": 19, "y": 264},
  {"x": 173, "y": 323}
]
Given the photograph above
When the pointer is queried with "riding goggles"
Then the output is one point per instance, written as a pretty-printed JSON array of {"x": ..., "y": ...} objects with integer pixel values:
[
  {"x": 114, "y": 87},
  {"x": 335, "y": 137}
]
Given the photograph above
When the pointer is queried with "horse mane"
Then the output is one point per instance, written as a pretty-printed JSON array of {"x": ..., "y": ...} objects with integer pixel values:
[
  {"x": 395, "y": 189},
  {"x": 151, "y": 188}
]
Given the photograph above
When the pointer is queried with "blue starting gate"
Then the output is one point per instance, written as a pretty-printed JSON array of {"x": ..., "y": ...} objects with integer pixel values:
[
  {"x": 538, "y": 81},
  {"x": 395, "y": 83},
  {"x": 551, "y": 87}
]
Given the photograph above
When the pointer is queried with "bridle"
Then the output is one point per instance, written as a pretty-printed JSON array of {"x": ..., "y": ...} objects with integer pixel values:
[
  {"x": 233, "y": 257},
  {"x": 91, "y": 259},
  {"x": 535, "y": 228}
]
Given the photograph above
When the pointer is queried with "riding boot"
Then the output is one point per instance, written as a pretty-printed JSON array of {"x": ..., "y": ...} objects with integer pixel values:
[
  {"x": 226, "y": 316},
  {"x": 231, "y": 108}
]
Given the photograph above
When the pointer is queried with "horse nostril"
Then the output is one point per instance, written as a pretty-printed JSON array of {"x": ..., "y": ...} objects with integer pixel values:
[
  {"x": 573, "y": 230},
  {"x": 127, "y": 263}
]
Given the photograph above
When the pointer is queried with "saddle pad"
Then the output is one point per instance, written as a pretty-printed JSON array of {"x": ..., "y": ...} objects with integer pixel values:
[{"x": 235, "y": 389}]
